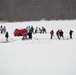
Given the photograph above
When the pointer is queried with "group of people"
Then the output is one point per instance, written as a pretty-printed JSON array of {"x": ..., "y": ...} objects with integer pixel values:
[
  {"x": 59, "y": 34},
  {"x": 40, "y": 30},
  {"x": 2, "y": 29},
  {"x": 31, "y": 29},
  {"x": 37, "y": 29}
]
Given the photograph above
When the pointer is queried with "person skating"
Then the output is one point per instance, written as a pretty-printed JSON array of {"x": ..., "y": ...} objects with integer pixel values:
[
  {"x": 44, "y": 30},
  {"x": 52, "y": 34},
  {"x": 70, "y": 33},
  {"x": 58, "y": 34},
  {"x": 40, "y": 30},
  {"x": 61, "y": 34},
  {"x": 24, "y": 34},
  {"x": 30, "y": 34},
  {"x": 6, "y": 36},
  {"x": 36, "y": 30},
  {"x": 4, "y": 29},
  {"x": 1, "y": 29},
  {"x": 32, "y": 29}
]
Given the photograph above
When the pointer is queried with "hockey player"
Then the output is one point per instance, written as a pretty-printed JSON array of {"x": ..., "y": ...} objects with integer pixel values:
[
  {"x": 58, "y": 34},
  {"x": 52, "y": 34},
  {"x": 4, "y": 29},
  {"x": 1, "y": 29},
  {"x": 6, "y": 36},
  {"x": 32, "y": 28},
  {"x": 24, "y": 34},
  {"x": 40, "y": 30},
  {"x": 44, "y": 30},
  {"x": 30, "y": 34},
  {"x": 61, "y": 34},
  {"x": 70, "y": 33},
  {"x": 36, "y": 30}
]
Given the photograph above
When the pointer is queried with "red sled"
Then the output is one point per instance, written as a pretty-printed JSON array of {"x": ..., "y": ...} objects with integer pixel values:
[{"x": 20, "y": 32}]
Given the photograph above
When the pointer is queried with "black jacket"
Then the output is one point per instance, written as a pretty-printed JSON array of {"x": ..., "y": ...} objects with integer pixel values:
[{"x": 6, "y": 35}]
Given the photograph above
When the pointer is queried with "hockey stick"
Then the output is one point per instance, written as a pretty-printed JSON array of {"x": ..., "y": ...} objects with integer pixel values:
[
  {"x": 11, "y": 39},
  {"x": 54, "y": 37},
  {"x": 36, "y": 38}
]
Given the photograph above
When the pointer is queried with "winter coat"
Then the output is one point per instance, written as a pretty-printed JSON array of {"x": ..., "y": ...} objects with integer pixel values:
[
  {"x": 70, "y": 33},
  {"x": 58, "y": 33},
  {"x": 61, "y": 33},
  {"x": 30, "y": 35},
  {"x": 52, "y": 32},
  {"x": 6, "y": 35}
]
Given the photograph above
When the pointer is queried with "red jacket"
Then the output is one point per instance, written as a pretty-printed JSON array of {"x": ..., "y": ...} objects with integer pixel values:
[{"x": 52, "y": 32}]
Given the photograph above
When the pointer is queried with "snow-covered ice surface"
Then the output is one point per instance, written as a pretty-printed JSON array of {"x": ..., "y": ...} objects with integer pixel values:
[{"x": 41, "y": 56}]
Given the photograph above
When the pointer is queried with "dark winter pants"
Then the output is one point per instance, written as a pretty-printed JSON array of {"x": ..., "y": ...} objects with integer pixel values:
[
  {"x": 30, "y": 35},
  {"x": 71, "y": 36},
  {"x": 51, "y": 36}
]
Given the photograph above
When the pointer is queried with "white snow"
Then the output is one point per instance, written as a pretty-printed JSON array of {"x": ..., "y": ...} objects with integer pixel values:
[{"x": 41, "y": 56}]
